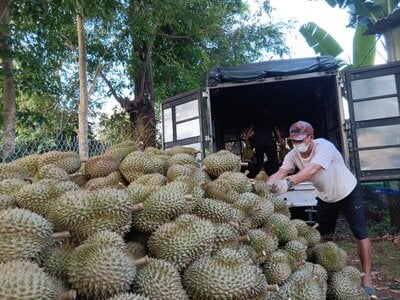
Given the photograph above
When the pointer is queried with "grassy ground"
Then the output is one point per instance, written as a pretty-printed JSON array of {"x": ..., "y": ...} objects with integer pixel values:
[{"x": 385, "y": 256}]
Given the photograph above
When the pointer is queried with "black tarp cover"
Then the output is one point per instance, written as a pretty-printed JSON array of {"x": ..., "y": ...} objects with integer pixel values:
[{"x": 272, "y": 68}]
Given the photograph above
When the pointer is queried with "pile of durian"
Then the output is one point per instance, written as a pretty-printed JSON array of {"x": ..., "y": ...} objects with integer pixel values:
[{"x": 156, "y": 224}]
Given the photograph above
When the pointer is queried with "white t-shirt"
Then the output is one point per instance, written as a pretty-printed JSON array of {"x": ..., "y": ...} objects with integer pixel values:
[{"x": 334, "y": 181}]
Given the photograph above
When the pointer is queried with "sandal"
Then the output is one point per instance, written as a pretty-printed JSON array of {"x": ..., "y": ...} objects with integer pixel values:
[{"x": 370, "y": 291}]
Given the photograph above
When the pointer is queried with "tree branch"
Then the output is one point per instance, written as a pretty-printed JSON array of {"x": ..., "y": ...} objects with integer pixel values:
[{"x": 127, "y": 104}]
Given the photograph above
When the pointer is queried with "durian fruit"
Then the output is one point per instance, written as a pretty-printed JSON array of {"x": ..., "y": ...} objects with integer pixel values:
[
  {"x": 56, "y": 262},
  {"x": 51, "y": 171},
  {"x": 263, "y": 243},
  {"x": 261, "y": 176},
  {"x": 160, "y": 163},
  {"x": 182, "y": 159},
  {"x": 7, "y": 201},
  {"x": 136, "y": 164},
  {"x": 11, "y": 186},
  {"x": 181, "y": 149},
  {"x": 318, "y": 272},
  {"x": 278, "y": 267},
  {"x": 129, "y": 296},
  {"x": 239, "y": 181},
  {"x": 346, "y": 284},
  {"x": 301, "y": 225},
  {"x": 163, "y": 205},
  {"x": 183, "y": 240},
  {"x": 98, "y": 270},
  {"x": 68, "y": 161},
  {"x": 219, "y": 162},
  {"x": 296, "y": 249},
  {"x": 281, "y": 226},
  {"x": 30, "y": 163},
  {"x": 154, "y": 179},
  {"x": 222, "y": 190},
  {"x": 261, "y": 188},
  {"x": 22, "y": 279},
  {"x": 40, "y": 196},
  {"x": 138, "y": 193},
  {"x": 281, "y": 206},
  {"x": 24, "y": 234},
  {"x": 226, "y": 275},
  {"x": 217, "y": 211},
  {"x": 101, "y": 166},
  {"x": 257, "y": 208},
  {"x": 226, "y": 235},
  {"x": 114, "y": 179},
  {"x": 106, "y": 238},
  {"x": 179, "y": 170},
  {"x": 329, "y": 255},
  {"x": 159, "y": 280},
  {"x": 121, "y": 150},
  {"x": 154, "y": 151},
  {"x": 86, "y": 212},
  {"x": 136, "y": 249},
  {"x": 10, "y": 170},
  {"x": 312, "y": 236},
  {"x": 300, "y": 286}
]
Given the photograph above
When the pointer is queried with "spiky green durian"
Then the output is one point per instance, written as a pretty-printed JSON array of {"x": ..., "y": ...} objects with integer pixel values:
[
  {"x": 221, "y": 189},
  {"x": 129, "y": 296},
  {"x": 282, "y": 227},
  {"x": 226, "y": 275},
  {"x": 21, "y": 279},
  {"x": 114, "y": 179},
  {"x": 278, "y": 267},
  {"x": 136, "y": 249},
  {"x": 68, "y": 161},
  {"x": 300, "y": 287},
  {"x": 182, "y": 159},
  {"x": 346, "y": 285},
  {"x": 296, "y": 249},
  {"x": 263, "y": 243},
  {"x": 239, "y": 181},
  {"x": 154, "y": 179},
  {"x": 56, "y": 262},
  {"x": 11, "y": 186},
  {"x": 329, "y": 255},
  {"x": 318, "y": 272},
  {"x": 226, "y": 235},
  {"x": 154, "y": 151},
  {"x": 160, "y": 163},
  {"x": 183, "y": 240},
  {"x": 53, "y": 172},
  {"x": 181, "y": 149},
  {"x": 164, "y": 204},
  {"x": 120, "y": 151},
  {"x": 86, "y": 212},
  {"x": 100, "y": 271},
  {"x": 106, "y": 238},
  {"x": 222, "y": 161},
  {"x": 179, "y": 170},
  {"x": 138, "y": 193},
  {"x": 10, "y": 170},
  {"x": 101, "y": 166},
  {"x": 159, "y": 280},
  {"x": 30, "y": 163},
  {"x": 24, "y": 234},
  {"x": 312, "y": 236},
  {"x": 136, "y": 164},
  {"x": 7, "y": 201},
  {"x": 258, "y": 209},
  {"x": 217, "y": 211},
  {"x": 280, "y": 206}
]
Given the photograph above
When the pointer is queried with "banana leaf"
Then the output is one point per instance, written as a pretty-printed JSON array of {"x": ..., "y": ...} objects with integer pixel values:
[
  {"x": 364, "y": 49},
  {"x": 320, "y": 40}
]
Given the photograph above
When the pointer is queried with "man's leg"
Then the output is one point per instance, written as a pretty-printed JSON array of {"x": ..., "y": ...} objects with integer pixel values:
[{"x": 365, "y": 254}]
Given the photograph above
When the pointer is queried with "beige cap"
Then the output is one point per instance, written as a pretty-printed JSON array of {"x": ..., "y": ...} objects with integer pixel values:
[{"x": 300, "y": 130}]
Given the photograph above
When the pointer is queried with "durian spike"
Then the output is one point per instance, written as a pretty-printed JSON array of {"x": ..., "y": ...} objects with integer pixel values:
[
  {"x": 244, "y": 164},
  {"x": 272, "y": 287},
  {"x": 234, "y": 224},
  {"x": 243, "y": 238},
  {"x": 188, "y": 197},
  {"x": 137, "y": 207},
  {"x": 141, "y": 261},
  {"x": 315, "y": 226},
  {"x": 61, "y": 235},
  {"x": 69, "y": 295}
]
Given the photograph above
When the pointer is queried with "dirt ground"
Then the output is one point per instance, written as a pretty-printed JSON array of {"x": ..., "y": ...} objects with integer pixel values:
[{"x": 386, "y": 260}]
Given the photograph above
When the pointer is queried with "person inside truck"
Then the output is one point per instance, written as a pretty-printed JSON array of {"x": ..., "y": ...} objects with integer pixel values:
[
  {"x": 263, "y": 136},
  {"x": 319, "y": 162}
]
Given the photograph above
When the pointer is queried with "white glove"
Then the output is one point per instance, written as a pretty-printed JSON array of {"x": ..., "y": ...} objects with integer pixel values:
[{"x": 279, "y": 187}]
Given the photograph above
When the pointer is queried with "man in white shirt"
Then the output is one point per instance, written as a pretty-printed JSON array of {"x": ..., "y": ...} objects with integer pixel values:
[{"x": 322, "y": 164}]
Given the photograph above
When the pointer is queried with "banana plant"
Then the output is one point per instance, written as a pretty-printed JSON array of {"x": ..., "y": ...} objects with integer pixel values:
[{"x": 364, "y": 14}]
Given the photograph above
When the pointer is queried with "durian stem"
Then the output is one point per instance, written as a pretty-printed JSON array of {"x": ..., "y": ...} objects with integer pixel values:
[
  {"x": 244, "y": 164},
  {"x": 272, "y": 287},
  {"x": 256, "y": 209},
  {"x": 61, "y": 235},
  {"x": 28, "y": 179},
  {"x": 290, "y": 205},
  {"x": 196, "y": 152},
  {"x": 243, "y": 238},
  {"x": 300, "y": 263},
  {"x": 69, "y": 295},
  {"x": 137, "y": 207},
  {"x": 315, "y": 226},
  {"x": 246, "y": 172},
  {"x": 141, "y": 261},
  {"x": 234, "y": 224},
  {"x": 188, "y": 197},
  {"x": 269, "y": 229}
]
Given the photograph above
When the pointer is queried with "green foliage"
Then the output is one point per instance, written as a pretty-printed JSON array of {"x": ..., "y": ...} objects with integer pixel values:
[{"x": 363, "y": 48}]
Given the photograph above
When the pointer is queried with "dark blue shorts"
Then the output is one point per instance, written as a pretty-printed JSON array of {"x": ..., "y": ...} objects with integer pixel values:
[{"x": 351, "y": 206}]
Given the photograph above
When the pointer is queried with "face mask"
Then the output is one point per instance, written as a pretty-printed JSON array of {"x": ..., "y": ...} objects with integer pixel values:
[{"x": 301, "y": 148}]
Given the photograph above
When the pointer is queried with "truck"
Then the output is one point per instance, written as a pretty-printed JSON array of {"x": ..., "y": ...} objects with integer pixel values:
[{"x": 359, "y": 111}]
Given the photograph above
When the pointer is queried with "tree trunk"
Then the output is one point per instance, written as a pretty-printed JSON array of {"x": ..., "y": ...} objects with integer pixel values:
[
  {"x": 83, "y": 98},
  {"x": 9, "y": 110},
  {"x": 392, "y": 39}
]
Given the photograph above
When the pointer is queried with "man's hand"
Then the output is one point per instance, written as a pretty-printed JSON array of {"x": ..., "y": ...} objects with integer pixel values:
[{"x": 279, "y": 187}]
